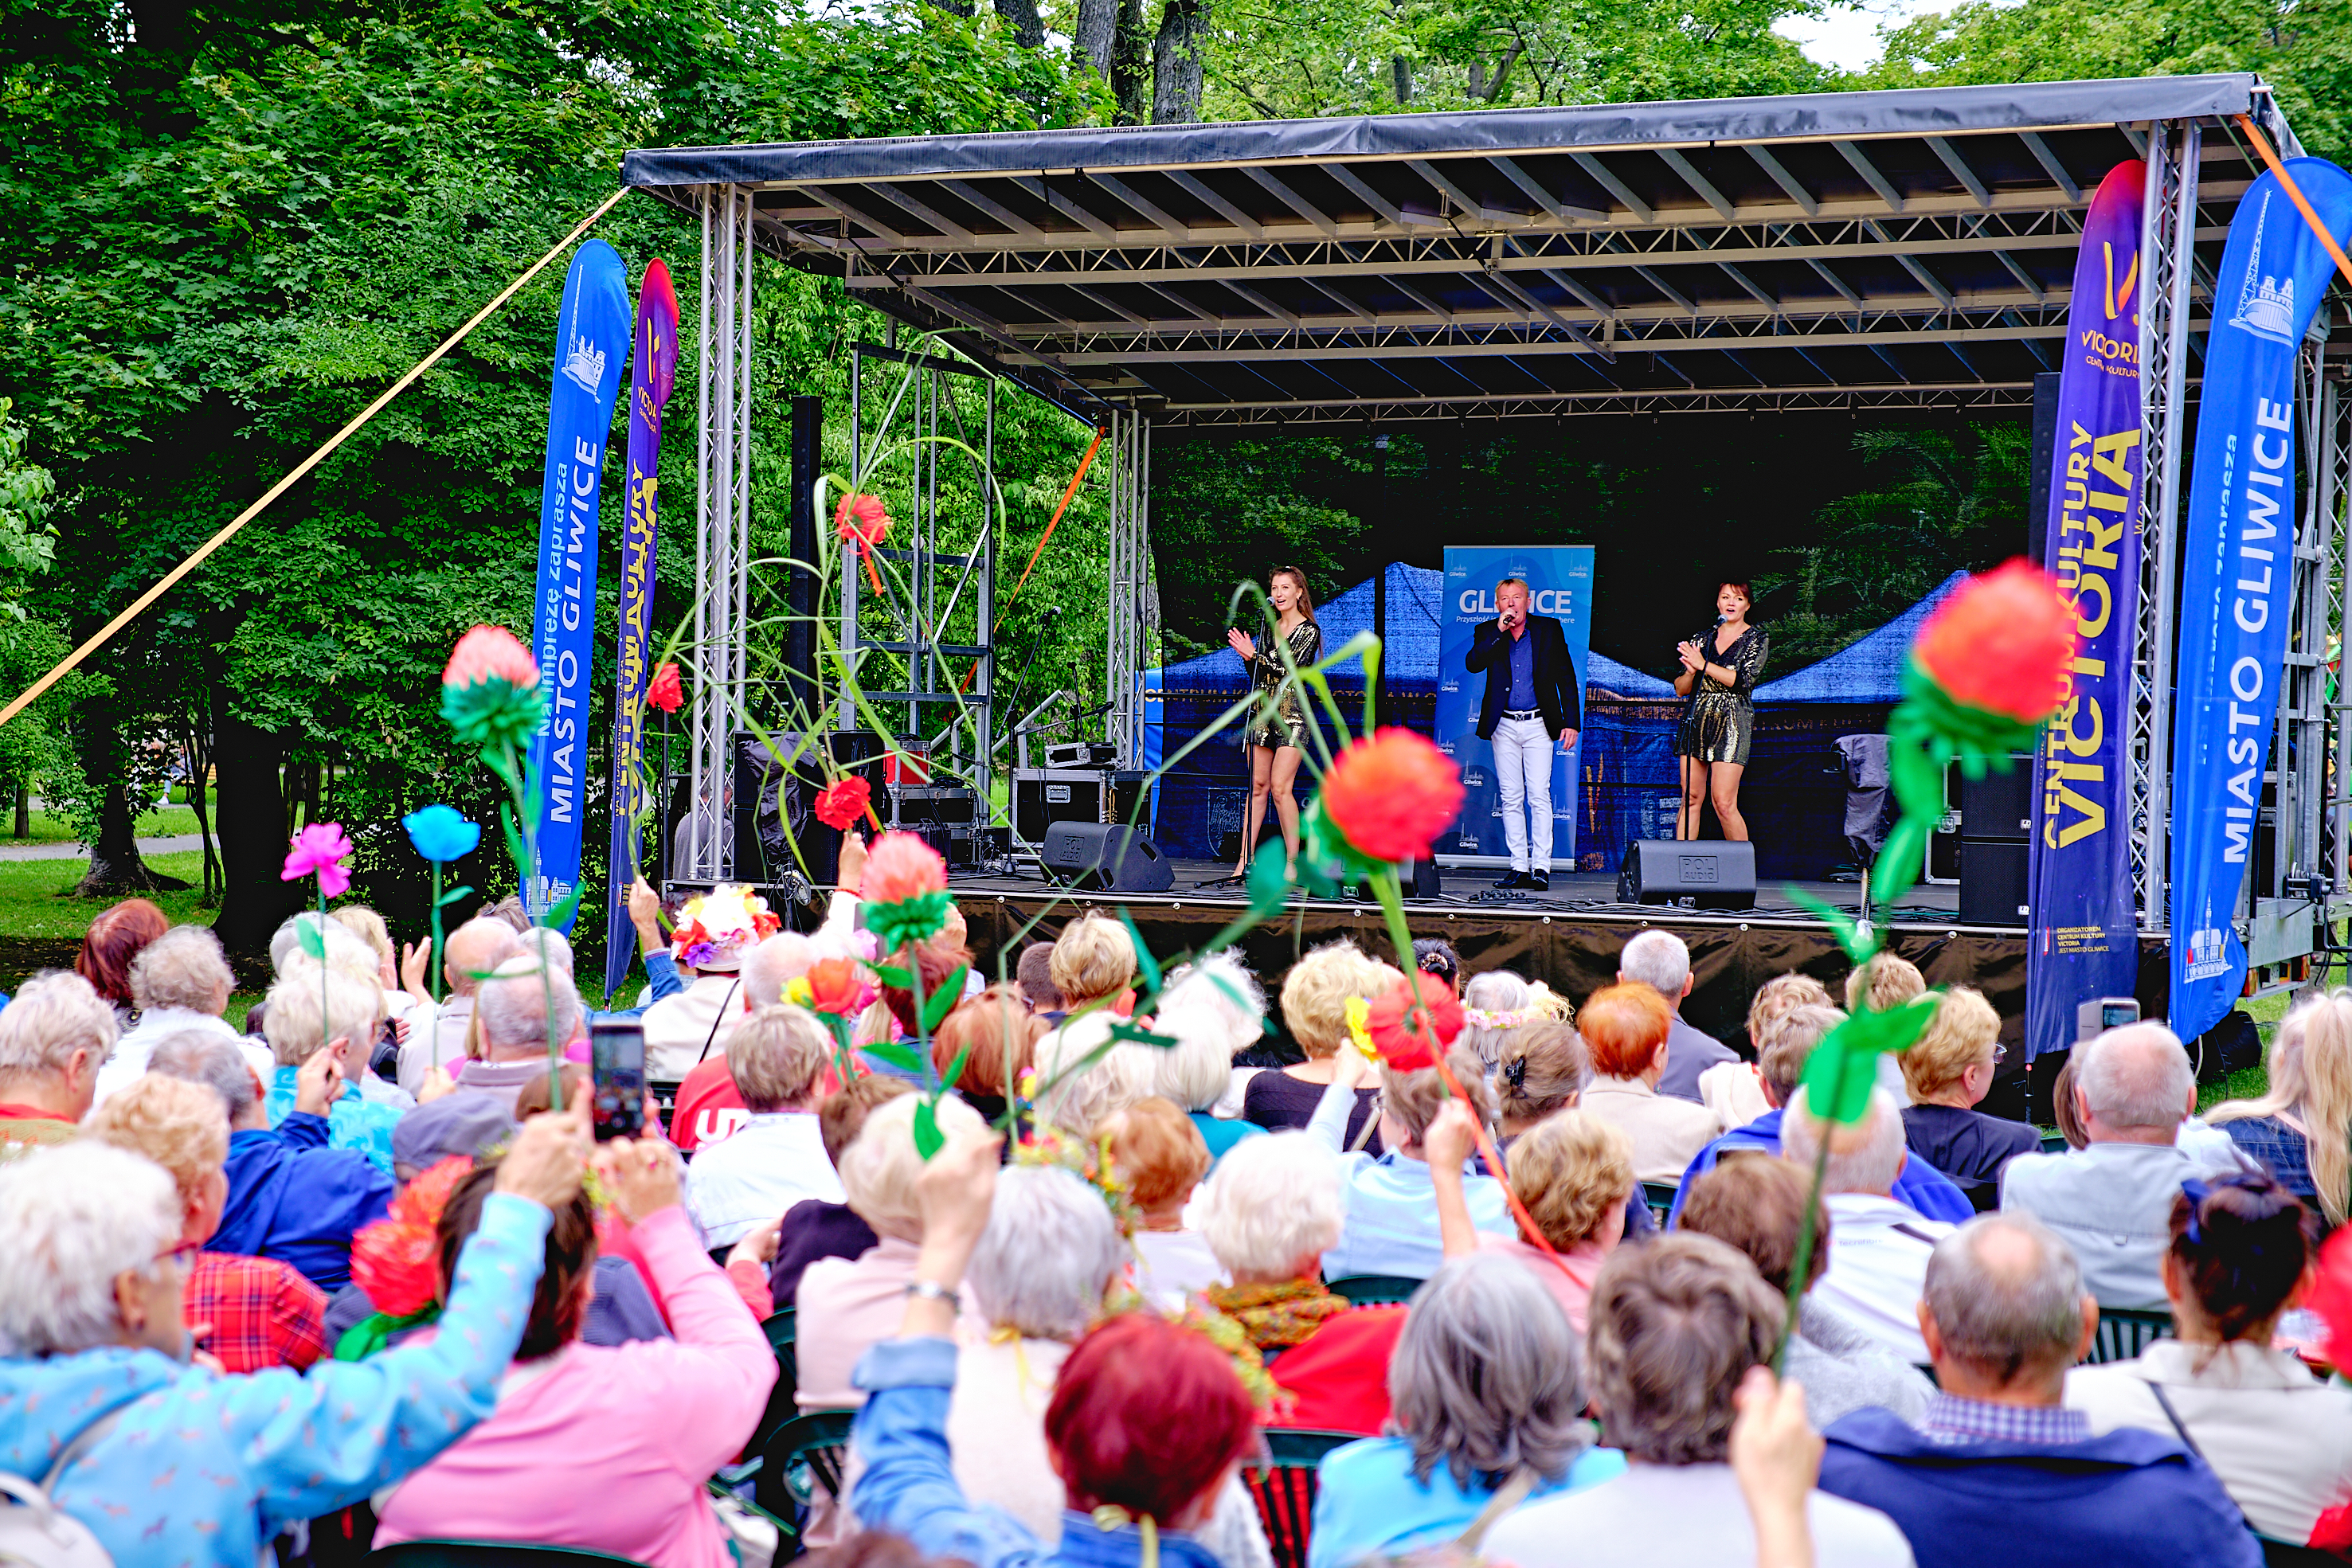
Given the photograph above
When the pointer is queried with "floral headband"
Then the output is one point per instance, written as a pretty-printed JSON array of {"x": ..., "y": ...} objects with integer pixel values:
[{"x": 1480, "y": 1017}]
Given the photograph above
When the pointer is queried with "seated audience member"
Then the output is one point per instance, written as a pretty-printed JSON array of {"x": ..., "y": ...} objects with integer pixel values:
[
  {"x": 2280, "y": 1441},
  {"x": 1540, "y": 1068},
  {"x": 1676, "y": 1324},
  {"x": 1573, "y": 1175},
  {"x": 1093, "y": 962},
  {"x": 1486, "y": 1383},
  {"x": 1270, "y": 1212},
  {"x": 510, "y": 1020},
  {"x": 1315, "y": 1010},
  {"x": 1160, "y": 1155},
  {"x": 708, "y": 1106},
  {"x": 605, "y": 1447},
  {"x": 1882, "y": 1246},
  {"x": 2111, "y": 1201},
  {"x": 812, "y": 1229},
  {"x": 1147, "y": 1428},
  {"x": 662, "y": 977},
  {"x": 213, "y": 1466},
  {"x": 1214, "y": 1010},
  {"x": 298, "y": 1032},
  {"x": 1735, "y": 1091},
  {"x": 1625, "y": 1027},
  {"x": 1034, "y": 973},
  {"x": 290, "y": 1195},
  {"x": 996, "y": 1037},
  {"x": 2310, "y": 1086},
  {"x": 1390, "y": 1223},
  {"x": 1659, "y": 960},
  {"x": 1888, "y": 982},
  {"x": 1758, "y": 1206},
  {"x": 469, "y": 955},
  {"x": 845, "y": 1306},
  {"x": 944, "y": 959},
  {"x": 691, "y": 1028},
  {"x": 777, "y": 1158},
  {"x": 1998, "y": 1469},
  {"x": 249, "y": 1312},
  {"x": 1786, "y": 1046},
  {"x": 1494, "y": 1003},
  {"x": 368, "y": 925},
  {"x": 108, "y": 946},
  {"x": 2067, "y": 1107},
  {"x": 55, "y": 1035},
  {"x": 180, "y": 980},
  {"x": 1948, "y": 1070},
  {"x": 625, "y": 1305},
  {"x": 1081, "y": 1084}
]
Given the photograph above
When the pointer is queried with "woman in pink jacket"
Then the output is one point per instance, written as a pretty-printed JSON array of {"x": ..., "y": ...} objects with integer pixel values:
[{"x": 596, "y": 1447}]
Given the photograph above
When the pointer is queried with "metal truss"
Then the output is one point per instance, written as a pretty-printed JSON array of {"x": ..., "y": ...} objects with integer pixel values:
[
  {"x": 2298, "y": 760},
  {"x": 2335, "y": 475},
  {"x": 1134, "y": 602},
  {"x": 1988, "y": 396}
]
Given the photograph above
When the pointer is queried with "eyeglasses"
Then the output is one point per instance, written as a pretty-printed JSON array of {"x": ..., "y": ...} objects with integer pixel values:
[{"x": 184, "y": 1254}]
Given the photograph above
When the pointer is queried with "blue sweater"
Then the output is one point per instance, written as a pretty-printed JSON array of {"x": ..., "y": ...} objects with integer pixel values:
[
  {"x": 2128, "y": 1497},
  {"x": 293, "y": 1198},
  {"x": 1921, "y": 1186}
]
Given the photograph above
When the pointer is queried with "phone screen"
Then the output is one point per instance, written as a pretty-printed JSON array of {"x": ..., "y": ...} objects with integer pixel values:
[{"x": 617, "y": 1048}]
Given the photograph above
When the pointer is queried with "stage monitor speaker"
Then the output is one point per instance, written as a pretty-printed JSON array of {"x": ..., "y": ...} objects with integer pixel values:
[
  {"x": 767, "y": 796},
  {"x": 1993, "y": 882},
  {"x": 1714, "y": 873},
  {"x": 1426, "y": 883},
  {"x": 1043, "y": 796},
  {"x": 1102, "y": 857},
  {"x": 1999, "y": 807}
]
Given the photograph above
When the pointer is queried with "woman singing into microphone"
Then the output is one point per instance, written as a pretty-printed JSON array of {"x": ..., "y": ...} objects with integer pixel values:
[
  {"x": 1720, "y": 668},
  {"x": 1274, "y": 740}
]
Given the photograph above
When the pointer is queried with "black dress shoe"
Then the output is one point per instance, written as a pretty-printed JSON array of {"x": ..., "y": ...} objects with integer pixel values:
[
  {"x": 1512, "y": 878},
  {"x": 1538, "y": 882}
]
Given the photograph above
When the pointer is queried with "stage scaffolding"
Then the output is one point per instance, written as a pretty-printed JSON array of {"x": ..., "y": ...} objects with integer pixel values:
[{"x": 1898, "y": 252}]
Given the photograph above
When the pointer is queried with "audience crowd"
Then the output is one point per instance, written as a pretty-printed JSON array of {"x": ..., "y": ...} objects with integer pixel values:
[{"x": 1227, "y": 1290}]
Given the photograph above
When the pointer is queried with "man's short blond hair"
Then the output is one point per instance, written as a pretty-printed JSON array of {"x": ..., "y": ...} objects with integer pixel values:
[
  {"x": 179, "y": 1125},
  {"x": 1315, "y": 994},
  {"x": 1960, "y": 1037},
  {"x": 775, "y": 1057},
  {"x": 1888, "y": 981},
  {"x": 1788, "y": 1044},
  {"x": 1503, "y": 582},
  {"x": 1093, "y": 958},
  {"x": 1569, "y": 1170}
]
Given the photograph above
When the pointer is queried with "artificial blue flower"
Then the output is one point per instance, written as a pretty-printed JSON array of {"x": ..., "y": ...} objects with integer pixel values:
[{"x": 440, "y": 833}]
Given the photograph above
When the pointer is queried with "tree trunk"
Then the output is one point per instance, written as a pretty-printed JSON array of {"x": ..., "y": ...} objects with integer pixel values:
[
  {"x": 252, "y": 816},
  {"x": 24, "y": 811},
  {"x": 1400, "y": 72},
  {"x": 1021, "y": 16},
  {"x": 1176, "y": 62},
  {"x": 1098, "y": 27},
  {"x": 115, "y": 868},
  {"x": 1130, "y": 64},
  {"x": 198, "y": 744},
  {"x": 952, "y": 7}
]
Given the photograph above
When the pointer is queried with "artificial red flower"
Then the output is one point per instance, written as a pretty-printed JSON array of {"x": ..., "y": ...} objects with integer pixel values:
[
  {"x": 488, "y": 652},
  {"x": 2003, "y": 642},
  {"x": 1392, "y": 793},
  {"x": 665, "y": 695},
  {"x": 322, "y": 848},
  {"x": 840, "y": 805},
  {"x": 2330, "y": 1295},
  {"x": 1402, "y": 1034},
  {"x": 836, "y": 986},
  {"x": 397, "y": 1259},
  {"x": 860, "y": 520},
  {"x": 901, "y": 866}
]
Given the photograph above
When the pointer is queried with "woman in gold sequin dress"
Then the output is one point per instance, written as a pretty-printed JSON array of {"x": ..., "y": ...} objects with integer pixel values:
[
  {"x": 1276, "y": 741},
  {"x": 1720, "y": 668}
]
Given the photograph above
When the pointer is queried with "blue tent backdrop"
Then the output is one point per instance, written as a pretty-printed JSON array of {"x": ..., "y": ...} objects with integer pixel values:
[{"x": 1793, "y": 794}]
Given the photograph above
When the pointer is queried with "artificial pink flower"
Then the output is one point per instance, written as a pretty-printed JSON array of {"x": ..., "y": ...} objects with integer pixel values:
[
  {"x": 665, "y": 695},
  {"x": 901, "y": 866},
  {"x": 1392, "y": 793},
  {"x": 322, "y": 848},
  {"x": 2003, "y": 642},
  {"x": 486, "y": 651}
]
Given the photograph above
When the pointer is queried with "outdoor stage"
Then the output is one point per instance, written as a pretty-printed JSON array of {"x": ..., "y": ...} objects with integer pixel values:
[{"x": 1569, "y": 937}]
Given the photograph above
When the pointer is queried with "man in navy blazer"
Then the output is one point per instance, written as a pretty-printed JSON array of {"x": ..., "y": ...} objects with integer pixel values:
[
  {"x": 1532, "y": 699},
  {"x": 1998, "y": 1469}
]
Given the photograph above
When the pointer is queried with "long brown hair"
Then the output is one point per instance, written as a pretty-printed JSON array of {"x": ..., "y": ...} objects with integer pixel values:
[{"x": 1305, "y": 594}]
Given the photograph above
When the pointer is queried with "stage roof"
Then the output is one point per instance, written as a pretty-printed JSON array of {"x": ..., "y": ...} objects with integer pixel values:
[{"x": 1901, "y": 249}]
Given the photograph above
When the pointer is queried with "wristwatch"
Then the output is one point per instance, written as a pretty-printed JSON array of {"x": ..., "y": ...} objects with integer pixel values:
[{"x": 930, "y": 1291}]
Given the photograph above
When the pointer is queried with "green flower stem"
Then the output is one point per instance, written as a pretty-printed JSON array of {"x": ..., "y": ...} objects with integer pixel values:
[
  {"x": 502, "y": 763},
  {"x": 1808, "y": 1231},
  {"x": 326, "y": 1020},
  {"x": 433, "y": 953}
]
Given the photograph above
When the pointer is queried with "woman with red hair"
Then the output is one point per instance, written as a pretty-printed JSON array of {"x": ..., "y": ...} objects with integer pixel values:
[
  {"x": 1624, "y": 1028},
  {"x": 113, "y": 939},
  {"x": 1147, "y": 1423}
]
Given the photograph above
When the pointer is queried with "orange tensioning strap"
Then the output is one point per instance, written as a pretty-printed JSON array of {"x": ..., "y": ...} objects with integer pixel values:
[
  {"x": 1035, "y": 555},
  {"x": 2294, "y": 193}
]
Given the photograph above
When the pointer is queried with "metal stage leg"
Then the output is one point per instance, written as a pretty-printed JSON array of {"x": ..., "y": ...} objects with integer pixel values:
[
  {"x": 1133, "y": 606},
  {"x": 722, "y": 517}
]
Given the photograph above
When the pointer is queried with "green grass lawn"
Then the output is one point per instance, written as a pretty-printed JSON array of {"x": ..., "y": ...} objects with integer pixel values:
[
  {"x": 48, "y": 829},
  {"x": 30, "y": 904}
]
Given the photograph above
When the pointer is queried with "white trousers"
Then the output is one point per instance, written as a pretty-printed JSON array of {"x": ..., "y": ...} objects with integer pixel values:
[{"x": 1523, "y": 754}]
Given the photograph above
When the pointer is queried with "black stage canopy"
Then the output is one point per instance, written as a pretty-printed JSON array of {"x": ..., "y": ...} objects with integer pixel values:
[{"x": 1901, "y": 249}]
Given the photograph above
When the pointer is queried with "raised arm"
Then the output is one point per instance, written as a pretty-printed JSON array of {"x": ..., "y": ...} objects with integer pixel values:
[
  {"x": 1448, "y": 1144},
  {"x": 1485, "y": 641},
  {"x": 1328, "y": 1124}
]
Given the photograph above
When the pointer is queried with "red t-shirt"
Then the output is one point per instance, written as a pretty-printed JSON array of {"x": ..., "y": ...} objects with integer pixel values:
[
  {"x": 1337, "y": 1377},
  {"x": 708, "y": 1106}
]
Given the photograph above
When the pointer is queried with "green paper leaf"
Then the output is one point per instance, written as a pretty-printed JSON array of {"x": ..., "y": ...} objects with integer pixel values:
[
  {"x": 900, "y": 1054},
  {"x": 1145, "y": 964},
  {"x": 1142, "y": 1036},
  {"x": 314, "y": 941},
  {"x": 927, "y": 1140},
  {"x": 940, "y": 1003},
  {"x": 909, "y": 920},
  {"x": 1269, "y": 879},
  {"x": 1843, "y": 1069},
  {"x": 563, "y": 907},
  {"x": 452, "y": 896},
  {"x": 1850, "y": 937},
  {"x": 891, "y": 975}
]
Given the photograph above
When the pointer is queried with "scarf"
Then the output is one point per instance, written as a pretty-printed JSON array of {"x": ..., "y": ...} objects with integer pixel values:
[{"x": 1274, "y": 1316}]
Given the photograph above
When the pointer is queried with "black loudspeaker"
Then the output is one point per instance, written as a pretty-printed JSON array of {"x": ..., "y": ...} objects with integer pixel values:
[
  {"x": 1993, "y": 882},
  {"x": 1426, "y": 882},
  {"x": 1714, "y": 873},
  {"x": 1102, "y": 857},
  {"x": 768, "y": 796},
  {"x": 1999, "y": 807}
]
